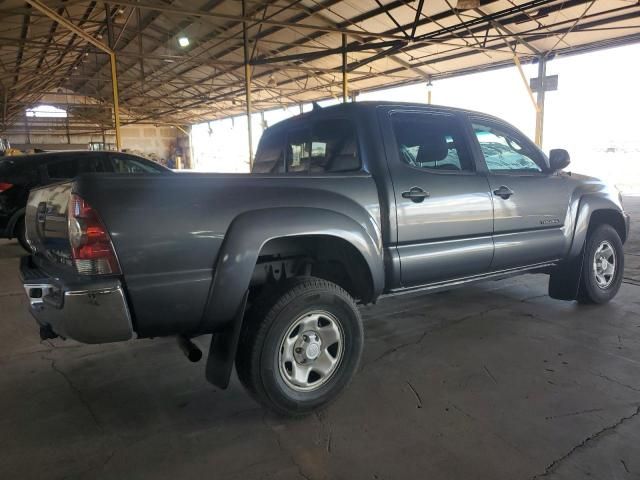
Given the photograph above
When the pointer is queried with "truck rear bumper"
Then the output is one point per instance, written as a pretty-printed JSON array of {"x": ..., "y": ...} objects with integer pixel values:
[{"x": 95, "y": 314}]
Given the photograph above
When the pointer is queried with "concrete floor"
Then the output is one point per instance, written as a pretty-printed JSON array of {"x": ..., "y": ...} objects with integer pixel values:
[{"x": 494, "y": 381}]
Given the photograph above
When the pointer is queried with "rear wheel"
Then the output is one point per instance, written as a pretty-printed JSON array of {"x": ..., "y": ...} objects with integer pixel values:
[
  {"x": 21, "y": 234},
  {"x": 603, "y": 266},
  {"x": 300, "y": 346}
]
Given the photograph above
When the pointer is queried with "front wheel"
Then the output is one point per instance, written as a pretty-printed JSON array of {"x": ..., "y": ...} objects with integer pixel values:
[
  {"x": 603, "y": 266},
  {"x": 300, "y": 346}
]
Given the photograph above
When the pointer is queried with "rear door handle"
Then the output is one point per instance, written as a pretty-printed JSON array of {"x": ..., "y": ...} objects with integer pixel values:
[
  {"x": 415, "y": 194},
  {"x": 503, "y": 192}
]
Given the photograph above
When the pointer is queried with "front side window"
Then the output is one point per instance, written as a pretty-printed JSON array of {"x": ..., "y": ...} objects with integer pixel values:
[
  {"x": 432, "y": 142},
  {"x": 504, "y": 152}
]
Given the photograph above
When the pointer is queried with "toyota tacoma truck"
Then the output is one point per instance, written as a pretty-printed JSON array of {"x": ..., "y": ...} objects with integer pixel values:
[{"x": 343, "y": 205}]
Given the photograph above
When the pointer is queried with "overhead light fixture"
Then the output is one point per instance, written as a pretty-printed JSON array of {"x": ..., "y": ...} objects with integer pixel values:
[
  {"x": 467, "y": 4},
  {"x": 183, "y": 41}
]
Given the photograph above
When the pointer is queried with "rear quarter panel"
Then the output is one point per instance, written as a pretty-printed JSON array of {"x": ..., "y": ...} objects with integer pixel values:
[{"x": 168, "y": 230}]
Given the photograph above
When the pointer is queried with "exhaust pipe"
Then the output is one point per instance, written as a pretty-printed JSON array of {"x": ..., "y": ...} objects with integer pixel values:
[{"x": 190, "y": 349}]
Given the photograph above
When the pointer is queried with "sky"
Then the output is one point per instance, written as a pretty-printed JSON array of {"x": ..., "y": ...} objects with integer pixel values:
[{"x": 593, "y": 114}]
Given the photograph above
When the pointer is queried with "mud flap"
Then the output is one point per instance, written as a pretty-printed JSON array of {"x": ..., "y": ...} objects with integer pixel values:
[
  {"x": 564, "y": 281},
  {"x": 222, "y": 351}
]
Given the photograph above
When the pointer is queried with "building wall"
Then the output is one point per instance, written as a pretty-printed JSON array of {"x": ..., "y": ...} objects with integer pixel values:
[{"x": 158, "y": 143}]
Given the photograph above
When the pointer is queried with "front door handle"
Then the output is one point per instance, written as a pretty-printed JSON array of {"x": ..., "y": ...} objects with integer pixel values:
[
  {"x": 416, "y": 194},
  {"x": 503, "y": 192}
]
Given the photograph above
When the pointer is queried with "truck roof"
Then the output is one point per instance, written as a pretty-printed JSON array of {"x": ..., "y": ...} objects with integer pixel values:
[{"x": 351, "y": 107}]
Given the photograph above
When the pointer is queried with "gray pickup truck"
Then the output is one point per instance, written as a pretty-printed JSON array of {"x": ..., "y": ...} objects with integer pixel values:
[{"x": 344, "y": 204}]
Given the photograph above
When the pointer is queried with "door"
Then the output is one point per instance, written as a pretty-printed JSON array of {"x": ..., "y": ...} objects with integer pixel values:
[
  {"x": 529, "y": 202},
  {"x": 443, "y": 207}
]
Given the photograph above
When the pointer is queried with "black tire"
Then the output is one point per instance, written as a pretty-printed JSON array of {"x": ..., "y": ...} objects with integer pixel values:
[
  {"x": 590, "y": 291},
  {"x": 21, "y": 234},
  {"x": 258, "y": 361}
]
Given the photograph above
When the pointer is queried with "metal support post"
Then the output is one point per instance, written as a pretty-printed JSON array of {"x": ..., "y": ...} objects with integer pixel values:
[
  {"x": 345, "y": 80},
  {"x": 116, "y": 103},
  {"x": 38, "y": 5},
  {"x": 535, "y": 104},
  {"x": 542, "y": 73},
  {"x": 247, "y": 82}
]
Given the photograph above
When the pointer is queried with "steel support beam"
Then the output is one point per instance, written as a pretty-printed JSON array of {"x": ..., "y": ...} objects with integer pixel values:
[
  {"x": 38, "y": 5},
  {"x": 345, "y": 79},
  {"x": 542, "y": 72},
  {"x": 523, "y": 76},
  {"x": 247, "y": 82},
  {"x": 184, "y": 12}
]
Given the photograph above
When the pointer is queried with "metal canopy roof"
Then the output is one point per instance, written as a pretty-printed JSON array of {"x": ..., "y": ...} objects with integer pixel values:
[{"x": 295, "y": 49}]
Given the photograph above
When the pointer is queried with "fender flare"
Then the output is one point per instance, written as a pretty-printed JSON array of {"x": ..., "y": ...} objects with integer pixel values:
[
  {"x": 237, "y": 258},
  {"x": 564, "y": 282},
  {"x": 589, "y": 204},
  {"x": 250, "y": 231}
]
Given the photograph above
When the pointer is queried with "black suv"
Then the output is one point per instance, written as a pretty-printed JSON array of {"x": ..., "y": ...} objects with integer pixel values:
[{"x": 18, "y": 175}]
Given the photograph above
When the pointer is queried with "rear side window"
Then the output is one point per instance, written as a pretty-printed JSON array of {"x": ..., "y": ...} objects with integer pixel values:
[
  {"x": 91, "y": 164},
  {"x": 269, "y": 157},
  {"x": 127, "y": 164},
  {"x": 329, "y": 146},
  {"x": 432, "y": 142},
  {"x": 62, "y": 169},
  {"x": 18, "y": 172}
]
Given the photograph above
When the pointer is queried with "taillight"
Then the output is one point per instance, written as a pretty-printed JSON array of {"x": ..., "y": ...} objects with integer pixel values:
[
  {"x": 91, "y": 245},
  {"x": 4, "y": 186}
]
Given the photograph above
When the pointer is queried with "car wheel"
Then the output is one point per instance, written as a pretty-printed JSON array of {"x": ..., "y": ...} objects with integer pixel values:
[
  {"x": 21, "y": 234},
  {"x": 300, "y": 346},
  {"x": 603, "y": 266}
]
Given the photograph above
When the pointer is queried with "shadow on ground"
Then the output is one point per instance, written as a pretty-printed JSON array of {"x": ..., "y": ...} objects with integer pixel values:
[{"x": 494, "y": 381}]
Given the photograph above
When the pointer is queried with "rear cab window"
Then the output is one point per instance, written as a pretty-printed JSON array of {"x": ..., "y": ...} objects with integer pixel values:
[
  {"x": 269, "y": 157},
  {"x": 317, "y": 147}
]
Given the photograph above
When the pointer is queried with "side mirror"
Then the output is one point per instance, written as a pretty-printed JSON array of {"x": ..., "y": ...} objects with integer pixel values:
[{"x": 558, "y": 159}]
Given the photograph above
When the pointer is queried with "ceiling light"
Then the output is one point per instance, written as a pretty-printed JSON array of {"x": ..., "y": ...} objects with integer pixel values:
[{"x": 183, "y": 42}]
